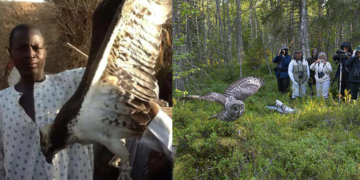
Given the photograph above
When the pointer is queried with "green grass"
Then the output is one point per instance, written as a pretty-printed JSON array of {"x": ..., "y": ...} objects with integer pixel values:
[{"x": 321, "y": 141}]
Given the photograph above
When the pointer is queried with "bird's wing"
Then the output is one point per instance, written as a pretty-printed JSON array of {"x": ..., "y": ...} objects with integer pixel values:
[
  {"x": 243, "y": 88},
  {"x": 212, "y": 96},
  {"x": 127, "y": 57}
]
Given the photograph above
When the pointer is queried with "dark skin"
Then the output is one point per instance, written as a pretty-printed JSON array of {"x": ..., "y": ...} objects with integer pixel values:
[{"x": 28, "y": 53}]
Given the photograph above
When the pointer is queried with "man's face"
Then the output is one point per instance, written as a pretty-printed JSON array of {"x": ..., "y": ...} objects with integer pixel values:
[
  {"x": 358, "y": 53},
  {"x": 156, "y": 161},
  {"x": 315, "y": 53},
  {"x": 28, "y": 52},
  {"x": 298, "y": 55},
  {"x": 346, "y": 49}
]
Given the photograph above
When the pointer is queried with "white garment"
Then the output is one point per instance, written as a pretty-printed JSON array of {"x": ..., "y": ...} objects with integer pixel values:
[
  {"x": 20, "y": 154},
  {"x": 291, "y": 68},
  {"x": 14, "y": 77},
  {"x": 299, "y": 90},
  {"x": 322, "y": 89},
  {"x": 321, "y": 67}
]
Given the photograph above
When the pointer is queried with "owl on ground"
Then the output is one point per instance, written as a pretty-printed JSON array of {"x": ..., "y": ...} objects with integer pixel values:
[{"x": 233, "y": 97}]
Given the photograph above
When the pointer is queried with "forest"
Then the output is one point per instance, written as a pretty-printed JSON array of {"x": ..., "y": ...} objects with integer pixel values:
[{"x": 217, "y": 42}]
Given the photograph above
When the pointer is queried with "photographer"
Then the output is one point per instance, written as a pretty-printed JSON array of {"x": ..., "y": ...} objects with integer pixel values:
[
  {"x": 299, "y": 74},
  {"x": 281, "y": 70},
  {"x": 322, "y": 70},
  {"x": 353, "y": 63},
  {"x": 312, "y": 80},
  {"x": 342, "y": 56}
]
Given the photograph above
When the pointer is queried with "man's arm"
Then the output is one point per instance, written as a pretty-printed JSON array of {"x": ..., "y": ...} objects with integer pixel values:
[
  {"x": 75, "y": 75},
  {"x": 308, "y": 70},
  {"x": 350, "y": 62},
  {"x": 328, "y": 67},
  {"x": 290, "y": 70},
  {"x": 276, "y": 59},
  {"x": 312, "y": 66}
]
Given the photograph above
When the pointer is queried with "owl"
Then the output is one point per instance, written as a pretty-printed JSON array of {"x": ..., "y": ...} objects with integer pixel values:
[
  {"x": 116, "y": 94},
  {"x": 233, "y": 97}
]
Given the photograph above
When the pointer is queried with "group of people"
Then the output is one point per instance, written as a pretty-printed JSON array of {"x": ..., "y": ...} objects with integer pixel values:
[{"x": 315, "y": 71}]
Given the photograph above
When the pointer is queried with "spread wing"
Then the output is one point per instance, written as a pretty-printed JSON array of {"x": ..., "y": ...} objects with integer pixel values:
[
  {"x": 125, "y": 73},
  {"x": 212, "y": 96},
  {"x": 243, "y": 88}
]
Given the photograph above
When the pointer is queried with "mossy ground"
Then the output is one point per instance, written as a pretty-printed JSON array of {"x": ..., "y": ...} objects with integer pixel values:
[{"x": 321, "y": 141}]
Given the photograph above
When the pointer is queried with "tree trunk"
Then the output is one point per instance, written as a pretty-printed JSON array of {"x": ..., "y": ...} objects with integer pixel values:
[
  {"x": 262, "y": 39},
  {"x": 221, "y": 34},
  {"x": 229, "y": 37},
  {"x": 239, "y": 35},
  {"x": 251, "y": 25},
  {"x": 205, "y": 36},
  {"x": 304, "y": 30}
]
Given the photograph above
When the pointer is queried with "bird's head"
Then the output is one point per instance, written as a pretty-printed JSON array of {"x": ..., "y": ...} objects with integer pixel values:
[
  {"x": 47, "y": 147},
  {"x": 236, "y": 108}
]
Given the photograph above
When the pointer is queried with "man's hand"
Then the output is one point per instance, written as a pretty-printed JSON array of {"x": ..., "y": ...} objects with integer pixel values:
[
  {"x": 324, "y": 61},
  {"x": 279, "y": 52}
]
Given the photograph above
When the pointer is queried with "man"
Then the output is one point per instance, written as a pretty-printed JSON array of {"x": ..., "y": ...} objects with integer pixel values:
[
  {"x": 312, "y": 80},
  {"x": 30, "y": 104},
  {"x": 299, "y": 74},
  {"x": 353, "y": 63},
  {"x": 345, "y": 50},
  {"x": 281, "y": 70}
]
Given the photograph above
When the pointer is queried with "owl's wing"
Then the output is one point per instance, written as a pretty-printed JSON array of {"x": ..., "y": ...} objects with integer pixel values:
[
  {"x": 124, "y": 77},
  {"x": 244, "y": 88},
  {"x": 212, "y": 96}
]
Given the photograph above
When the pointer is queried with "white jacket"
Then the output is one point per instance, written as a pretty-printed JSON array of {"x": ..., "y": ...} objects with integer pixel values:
[
  {"x": 291, "y": 66},
  {"x": 321, "y": 67}
]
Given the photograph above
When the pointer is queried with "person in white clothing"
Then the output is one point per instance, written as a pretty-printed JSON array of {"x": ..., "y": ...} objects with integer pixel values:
[
  {"x": 299, "y": 74},
  {"x": 322, "y": 70}
]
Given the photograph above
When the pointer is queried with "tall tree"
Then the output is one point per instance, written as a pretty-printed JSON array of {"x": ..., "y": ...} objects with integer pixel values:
[
  {"x": 304, "y": 30},
  {"x": 239, "y": 35}
]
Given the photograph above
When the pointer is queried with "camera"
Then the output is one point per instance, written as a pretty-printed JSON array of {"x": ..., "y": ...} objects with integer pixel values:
[
  {"x": 321, "y": 75},
  {"x": 321, "y": 60},
  {"x": 340, "y": 54},
  {"x": 301, "y": 74},
  {"x": 282, "y": 51}
]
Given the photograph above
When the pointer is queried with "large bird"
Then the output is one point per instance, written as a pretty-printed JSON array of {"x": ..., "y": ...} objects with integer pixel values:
[
  {"x": 233, "y": 97},
  {"x": 113, "y": 100}
]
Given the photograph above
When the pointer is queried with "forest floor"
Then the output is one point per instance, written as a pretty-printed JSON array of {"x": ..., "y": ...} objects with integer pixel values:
[{"x": 321, "y": 141}]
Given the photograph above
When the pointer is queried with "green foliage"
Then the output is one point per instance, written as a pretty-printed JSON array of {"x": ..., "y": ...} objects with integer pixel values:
[{"x": 321, "y": 141}]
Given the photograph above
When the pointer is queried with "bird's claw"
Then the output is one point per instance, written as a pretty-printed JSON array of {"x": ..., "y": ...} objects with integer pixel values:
[{"x": 115, "y": 162}]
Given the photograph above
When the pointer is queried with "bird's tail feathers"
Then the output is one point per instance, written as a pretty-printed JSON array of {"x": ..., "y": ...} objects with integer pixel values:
[{"x": 212, "y": 117}]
